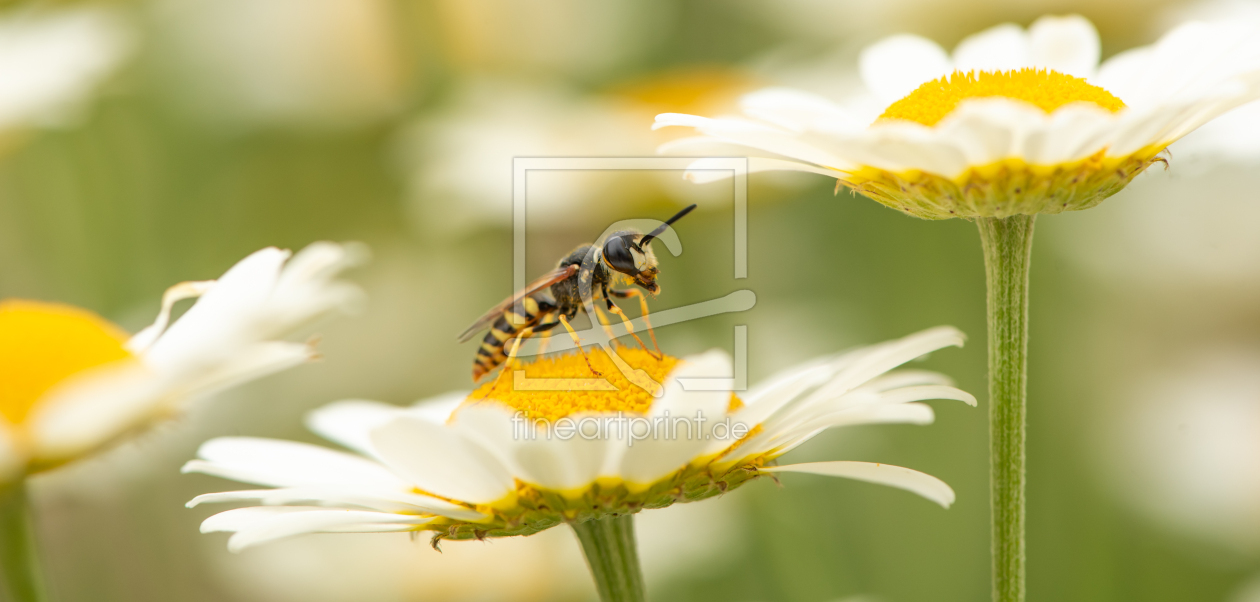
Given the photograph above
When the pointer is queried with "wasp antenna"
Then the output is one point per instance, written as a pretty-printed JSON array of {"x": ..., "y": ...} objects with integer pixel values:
[{"x": 646, "y": 240}]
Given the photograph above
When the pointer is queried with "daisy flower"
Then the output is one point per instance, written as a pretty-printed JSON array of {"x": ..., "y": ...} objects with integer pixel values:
[
  {"x": 518, "y": 461},
  {"x": 71, "y": 382},
  {"x": 1012, "y": 124}
]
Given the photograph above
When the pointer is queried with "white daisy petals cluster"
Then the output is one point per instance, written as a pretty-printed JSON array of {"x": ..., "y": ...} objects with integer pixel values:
[
  {"x": 1030, "y": 137},
  {"x": 468, "y": 469},
  {"x": 73, "y": 383}
]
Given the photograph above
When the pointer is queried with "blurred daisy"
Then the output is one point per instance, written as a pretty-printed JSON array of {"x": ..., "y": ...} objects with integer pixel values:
[
  {"x": 458, "y": 161},
  {"x": 71, "y": 382},
  {"x": 1184, "y": 448},
  {"x": 1014, "y": 122},
  {"x": 53, "y": 60},
  {"x": 283, "y": 63},
  {"x": 522, "y": 461},
  {"x": 1193, "y": 239}
]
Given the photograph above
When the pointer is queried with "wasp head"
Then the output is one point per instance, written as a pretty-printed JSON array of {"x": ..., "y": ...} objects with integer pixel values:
[{"x": 623, "y": 254}]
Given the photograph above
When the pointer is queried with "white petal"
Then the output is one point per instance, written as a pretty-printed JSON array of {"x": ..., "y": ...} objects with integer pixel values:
[
  {"x": 1124, "y": 75},
  {"x": 798, "y": 110},
  {"x": 383, "y": 500},
  {"x": 897, "y": 146},
  {"x": 999, "y": 48},
  {"x": 893, "y": 67},
  {"x": 249, "y": 362},
  {"x": 439, "y": 409},
  {"x": 558, "y": 460},
  {"x": 704, "y": 171},
  {"x": 184, "y": 290},
  {"x": 306, "y": 288},
  {"x": 209, "y": 327},
  {"x": 924, "y": 393},
  {"x": 1066, "y": 44},
  {"x": 1073, "y": 132},
  {"x": 755, "y": 135},
  {"x": 987, "y": 130},
  {"x": 254, "y": 526},
  {"x": 908, "y": 378},
  {"x": 95, "y": 408},
  {"x": 681, "y": 422},
  {"x": 826, "y": 418},
  {"x": 350, "y": 422},
  {"x": 882, "y": 358},
  {"x": 925, "y": 485},
  {"x": 278, "y": 463},
  {"x": 437, "y": 459}
]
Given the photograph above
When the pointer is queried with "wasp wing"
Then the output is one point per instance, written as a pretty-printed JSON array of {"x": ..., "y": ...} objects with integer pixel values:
[{"x": 493, "y": 314}]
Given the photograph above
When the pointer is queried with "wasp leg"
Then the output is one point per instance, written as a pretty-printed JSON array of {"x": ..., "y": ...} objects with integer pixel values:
[
  {"x": 643, "y": 310},
  {"x": 507, "y": 364},
  {"x": 543, "y": 332},
  {"x": 577, "y": 342},
  {"x": 612, "y": 307},
  {"x": 605, "y": 323}
]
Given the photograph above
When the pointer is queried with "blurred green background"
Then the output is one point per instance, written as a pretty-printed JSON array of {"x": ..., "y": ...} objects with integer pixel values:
[{"x": 238, "y": 124}]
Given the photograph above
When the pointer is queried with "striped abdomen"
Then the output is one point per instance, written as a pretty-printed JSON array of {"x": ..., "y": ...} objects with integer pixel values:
[{"x": 521, "y": 316}]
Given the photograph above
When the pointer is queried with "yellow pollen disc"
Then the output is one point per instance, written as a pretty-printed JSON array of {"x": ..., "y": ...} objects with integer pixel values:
[
  {"x": 1047, "y": 90},
  {"x": 553, "y": 405},
  {"x": 43, "y": 344}
]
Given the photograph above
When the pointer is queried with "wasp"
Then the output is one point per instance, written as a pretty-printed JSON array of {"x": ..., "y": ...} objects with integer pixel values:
[{"x": 594, "y": 271}]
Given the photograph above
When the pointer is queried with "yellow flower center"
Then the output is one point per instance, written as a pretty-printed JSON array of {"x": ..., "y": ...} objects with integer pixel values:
[
  {"x": 629, "y": 397},
  {"x": 43, "y": 345},
  {"x": 1045, "y": 89}
]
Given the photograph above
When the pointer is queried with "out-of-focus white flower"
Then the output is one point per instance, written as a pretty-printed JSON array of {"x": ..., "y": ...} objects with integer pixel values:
[
  {"x": 288, "y": 63},
  {"x": 548, "y": 37},
  {"x": 1177, "y": 233},
  {"x": 458, "y": 160},
  {"x": 53, "y": 60},
  {"x": 1185, "y": 448},
  {"x": 468, "y": 467},
  {"x": 1013, "y": 122},
  {"x": 71, "y": 382}
]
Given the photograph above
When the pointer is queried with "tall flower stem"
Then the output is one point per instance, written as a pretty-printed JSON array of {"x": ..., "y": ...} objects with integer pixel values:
[
  {"x": 1007, "y": 250},
  {"x": 614, "y": 560},
  {"x": 18, "y": 555}
]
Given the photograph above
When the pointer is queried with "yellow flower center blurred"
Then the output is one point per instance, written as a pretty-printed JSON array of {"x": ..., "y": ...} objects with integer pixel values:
[
  {"x": 554, "y": 405},
  {"x": 1045, "y": 89},
  {"x": 44, "y": 344}
]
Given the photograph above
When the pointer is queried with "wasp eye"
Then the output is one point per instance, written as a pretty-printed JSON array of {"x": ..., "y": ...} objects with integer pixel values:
[{"x": 617, "y": 254}]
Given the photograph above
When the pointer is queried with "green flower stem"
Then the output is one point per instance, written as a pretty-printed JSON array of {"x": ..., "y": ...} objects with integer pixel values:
[
  {"x": 1007, "y": 250},
  {"x": 18, "y": 556},
  {"x": 614, "y": 560}
]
